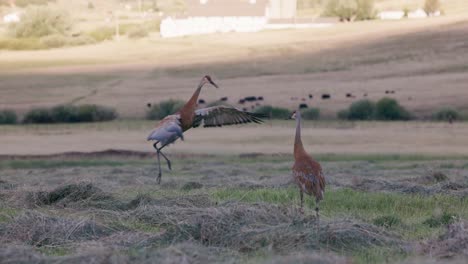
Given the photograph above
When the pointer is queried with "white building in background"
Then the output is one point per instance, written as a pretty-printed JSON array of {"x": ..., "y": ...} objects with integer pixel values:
[
  {"x": 212, "y": 16},
  {"x": 391, "y": 15},
  {"x": 11, "y": 18}
]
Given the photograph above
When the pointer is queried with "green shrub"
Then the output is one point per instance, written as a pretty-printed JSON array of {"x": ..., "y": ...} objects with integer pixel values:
[
  {"x": 39, "y": 22},
  {"x": 431, "y": 6},
  {"x": 387, "y": 221},
  {"x": 365, "y": 10},
  {"x": 361, "y": 110},
  {"x": 95, "y": 113},
  {"x": 8, "y": 117},
  {"x": 64, "y": 114},
  {"x": 21, "y": 44},
  {"x": 446, "y": 114},
  {"x": 390, "y": 109},
  {"x": 102, "y": 33},
  {"x": 163, "y": 109},
  {"x": 343, "y": 114},
  {"x": 310, "y": 114},
  {"x": 80, "y": 40},
  {"x": 38, "y": 116},
  {"x": 273, "y": 112},
  {"x": 70, "y": 114},
  {"x": 137, "y": 32},
  {"x": 349, "y": 10}
]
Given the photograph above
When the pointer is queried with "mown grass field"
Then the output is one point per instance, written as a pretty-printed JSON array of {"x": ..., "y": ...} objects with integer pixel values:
[{"x": 231, "y": 209}]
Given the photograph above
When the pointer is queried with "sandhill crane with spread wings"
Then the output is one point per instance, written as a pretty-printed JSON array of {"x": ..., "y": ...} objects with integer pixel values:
[
  {"x": 172, "y": 127},
  {"x": 307, "y": 173}
]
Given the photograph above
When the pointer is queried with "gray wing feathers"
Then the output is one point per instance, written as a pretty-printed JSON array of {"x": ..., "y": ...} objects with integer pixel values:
[
  {"x": 224, "y": 115},
  {"x": 167, "y": 131}
]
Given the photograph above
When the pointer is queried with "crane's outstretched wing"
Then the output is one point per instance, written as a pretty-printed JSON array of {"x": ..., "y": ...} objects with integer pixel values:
[
  {"x": 223, "y": 116},
  {"x": 167, "y": 131}
]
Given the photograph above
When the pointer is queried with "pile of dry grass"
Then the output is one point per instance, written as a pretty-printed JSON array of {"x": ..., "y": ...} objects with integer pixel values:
[
  {"x": 186, "y": 201},
  {"x": 250, "y": 227},
  {"x": 76, "y": 195},
  {"x": 453, "y": 243},
  {"x": 187, "y": 253},
  {"x": 27, "y": 255},
  {"x": 37, "y": 229},
  {"x": 308, "y": 257},
  {"x": 19, "y": 255},
  {"x": 431, "y": 178},
  {"x": 442, "y": 187}
]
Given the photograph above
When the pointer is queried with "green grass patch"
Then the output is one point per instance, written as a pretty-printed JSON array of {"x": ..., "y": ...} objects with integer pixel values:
[
  {"x": 139, "y": 226},
  {"x": 413, "y": 210},
  {"x": 6, "y": 214}
]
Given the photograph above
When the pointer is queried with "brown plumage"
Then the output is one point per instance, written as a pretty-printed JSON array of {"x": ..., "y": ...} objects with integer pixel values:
[
  {"x": 307, "y": 173},
  {"x": 173, "y": 126}
]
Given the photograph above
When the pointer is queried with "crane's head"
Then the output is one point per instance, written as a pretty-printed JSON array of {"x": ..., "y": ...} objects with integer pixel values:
[
  {"x": 207, "y": 79},
  {"x": 295, "y": 114}
]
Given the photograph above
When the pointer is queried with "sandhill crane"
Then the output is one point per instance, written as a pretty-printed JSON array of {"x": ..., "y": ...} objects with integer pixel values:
[
  {"x": 172, "y": 127},
  {"x": 307, "y": 173}
]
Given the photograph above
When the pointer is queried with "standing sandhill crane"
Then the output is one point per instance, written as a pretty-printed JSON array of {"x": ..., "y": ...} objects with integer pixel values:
[
  {"x": 171, "y": 128},
  {"x": 307, "y": 173}
]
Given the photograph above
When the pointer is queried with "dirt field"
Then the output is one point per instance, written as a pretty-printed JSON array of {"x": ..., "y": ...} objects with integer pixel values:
[
  {"x": 423, "y": 61},
  {"x": 360, "y": 138}
]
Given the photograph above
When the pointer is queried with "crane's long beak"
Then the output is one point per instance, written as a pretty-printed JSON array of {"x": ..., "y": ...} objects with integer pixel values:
[{"x": 214, "y": 84}]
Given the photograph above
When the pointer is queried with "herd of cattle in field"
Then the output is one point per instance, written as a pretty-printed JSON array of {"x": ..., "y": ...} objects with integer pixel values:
[{"x": 256, "y": 100}]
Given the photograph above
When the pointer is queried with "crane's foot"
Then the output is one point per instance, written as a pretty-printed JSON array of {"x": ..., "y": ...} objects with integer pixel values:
[{"x": 158, "y": 180}]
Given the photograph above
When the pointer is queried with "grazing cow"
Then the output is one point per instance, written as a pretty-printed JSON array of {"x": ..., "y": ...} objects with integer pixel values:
[
  {"x": 349, "y": 95},
  {"x": 302, "y": 106},
  {"x": 250, "y": 98},
  {"x": 260, "y": 98},
  {"x": 241, "y": 101},
  {"x": 326, "y": 96},
  {"x": 311, "y": 96},
  {"x": 148, "y": 105},
  {"x": 224, "y": 99},
  {"x": 201, "y": 101}
]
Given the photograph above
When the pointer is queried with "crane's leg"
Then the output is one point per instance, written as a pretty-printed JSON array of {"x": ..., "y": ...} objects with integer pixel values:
[
  {"x": 164, "y": 156},
  {"x": 159, "y": 163},
  {"x": 302, "y": 201},
  {"x": 317, "y": 202}
]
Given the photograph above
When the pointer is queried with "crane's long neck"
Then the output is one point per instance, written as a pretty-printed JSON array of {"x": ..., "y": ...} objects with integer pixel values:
[
  {"x": 187, "y": 112},
  {"x": 298, "y": 147},
  {"x": 192, "y": 102}
]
